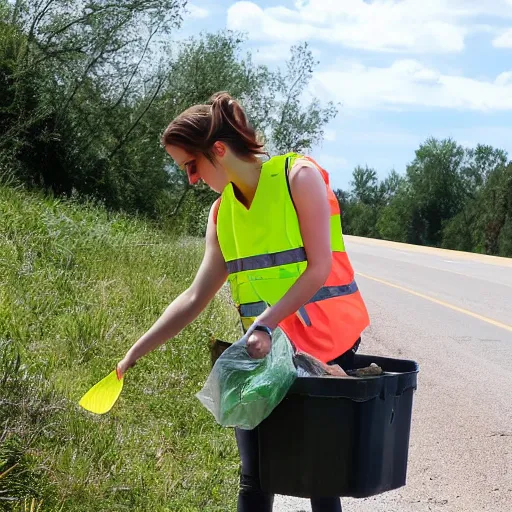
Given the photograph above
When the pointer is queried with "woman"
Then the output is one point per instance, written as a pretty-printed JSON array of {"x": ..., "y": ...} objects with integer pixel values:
[{"x": 275, "y": 234}]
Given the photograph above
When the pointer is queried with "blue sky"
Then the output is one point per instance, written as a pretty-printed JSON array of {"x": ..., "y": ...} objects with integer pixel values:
[{"x": 403, "y": 70}]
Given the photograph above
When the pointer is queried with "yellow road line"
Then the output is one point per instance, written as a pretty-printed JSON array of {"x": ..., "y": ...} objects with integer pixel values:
[{"x": 440, "y": 302}]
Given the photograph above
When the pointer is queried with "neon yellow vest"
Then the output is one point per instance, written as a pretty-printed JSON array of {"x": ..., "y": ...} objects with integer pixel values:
[
  {"x": 264, "y": 253},
  {"x": 268, "y": 227}
]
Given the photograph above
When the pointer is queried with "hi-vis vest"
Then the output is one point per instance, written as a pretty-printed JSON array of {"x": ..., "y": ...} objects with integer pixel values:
[{"x": 264, "y": 253}]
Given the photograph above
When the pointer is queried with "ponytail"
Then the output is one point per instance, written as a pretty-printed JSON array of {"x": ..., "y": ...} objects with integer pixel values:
[{"x": 222, "y": 119}]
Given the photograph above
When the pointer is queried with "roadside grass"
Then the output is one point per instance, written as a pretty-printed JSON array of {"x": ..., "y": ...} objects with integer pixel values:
[{"x": 78, "y": 286}]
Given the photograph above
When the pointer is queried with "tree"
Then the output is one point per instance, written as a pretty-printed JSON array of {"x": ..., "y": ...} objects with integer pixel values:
[
  {"x": 88, "y": 88},
  {"x": 290, "y": 124},
  {"x": 78, "y": 92},
  {"x": 437, "y": 188},
  {"x": 213, "y": 62},
  {"x": 395, "y": 220},
  {"x": 466, "y": 231},
  {"x": 495, "y": 212},
  {"x": 365, "y": 187},
  {"x": 390, "y": 186},
  {"x": 368, "y": 199},
  {"x": 481, "y": 163}
]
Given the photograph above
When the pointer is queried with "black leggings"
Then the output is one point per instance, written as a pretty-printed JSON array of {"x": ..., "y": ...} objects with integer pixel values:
[{"x": 251, "y": 497}]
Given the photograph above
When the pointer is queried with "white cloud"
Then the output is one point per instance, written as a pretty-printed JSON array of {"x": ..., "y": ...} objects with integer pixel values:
[
  {"x": 197, "y": 12},
  {"x": 407, "y": 83},
  {"x": 504, "y": 40},
  {"x": 380, "y": 25},
  {"x": 266, "y": 25}
]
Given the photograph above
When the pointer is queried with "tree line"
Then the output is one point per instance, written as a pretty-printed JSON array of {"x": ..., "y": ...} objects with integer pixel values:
[
  {"x": 450, "y": 196},
  {"x": 86, "y": 89}
]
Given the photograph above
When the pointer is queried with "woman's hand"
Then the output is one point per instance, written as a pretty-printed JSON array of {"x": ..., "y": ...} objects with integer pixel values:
[
  {"x": 123, "y": 366},
  {"x": 259, "y": 344}
]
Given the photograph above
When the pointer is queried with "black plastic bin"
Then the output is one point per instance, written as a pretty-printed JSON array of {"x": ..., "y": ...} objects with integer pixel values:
[{"x": 340, "y": 437}]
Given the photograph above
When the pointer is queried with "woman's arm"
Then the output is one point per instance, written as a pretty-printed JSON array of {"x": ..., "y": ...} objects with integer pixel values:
[
  {"x": 311, "y": 203},
  {"x": 186, "y": 307},
  {"x": 312, "y": 206}
]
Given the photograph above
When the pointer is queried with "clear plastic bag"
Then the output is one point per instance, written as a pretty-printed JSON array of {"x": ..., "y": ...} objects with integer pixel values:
[{"x": 241, "y": 391}]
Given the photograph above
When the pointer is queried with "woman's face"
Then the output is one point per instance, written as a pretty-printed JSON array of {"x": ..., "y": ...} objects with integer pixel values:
[{"x": 198, "y": 167}]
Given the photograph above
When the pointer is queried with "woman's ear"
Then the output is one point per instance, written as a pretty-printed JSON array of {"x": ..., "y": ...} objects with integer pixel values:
[{"x": 219, "y": 149}]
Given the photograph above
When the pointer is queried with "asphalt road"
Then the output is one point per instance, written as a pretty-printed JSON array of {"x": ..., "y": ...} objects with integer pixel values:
[{"x": 451, "y": 312}]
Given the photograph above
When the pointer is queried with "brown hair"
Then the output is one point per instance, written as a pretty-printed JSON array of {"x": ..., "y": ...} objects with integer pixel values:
[{"x": 223, "y": 119}]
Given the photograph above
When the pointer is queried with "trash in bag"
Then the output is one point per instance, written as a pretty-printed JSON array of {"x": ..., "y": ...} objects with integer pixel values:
[
  {"x": 241, "y": 391},
  {"x": 309, "y": 366}
]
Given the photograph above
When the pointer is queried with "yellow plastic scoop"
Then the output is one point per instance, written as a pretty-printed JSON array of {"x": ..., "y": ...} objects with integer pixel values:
[{"x": 103, "y": 395}]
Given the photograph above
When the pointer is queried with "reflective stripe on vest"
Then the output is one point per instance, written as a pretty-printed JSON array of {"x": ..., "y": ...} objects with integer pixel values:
[
  {"x": 326, "y": 292},
  {"x": 261, "y": 261}
]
